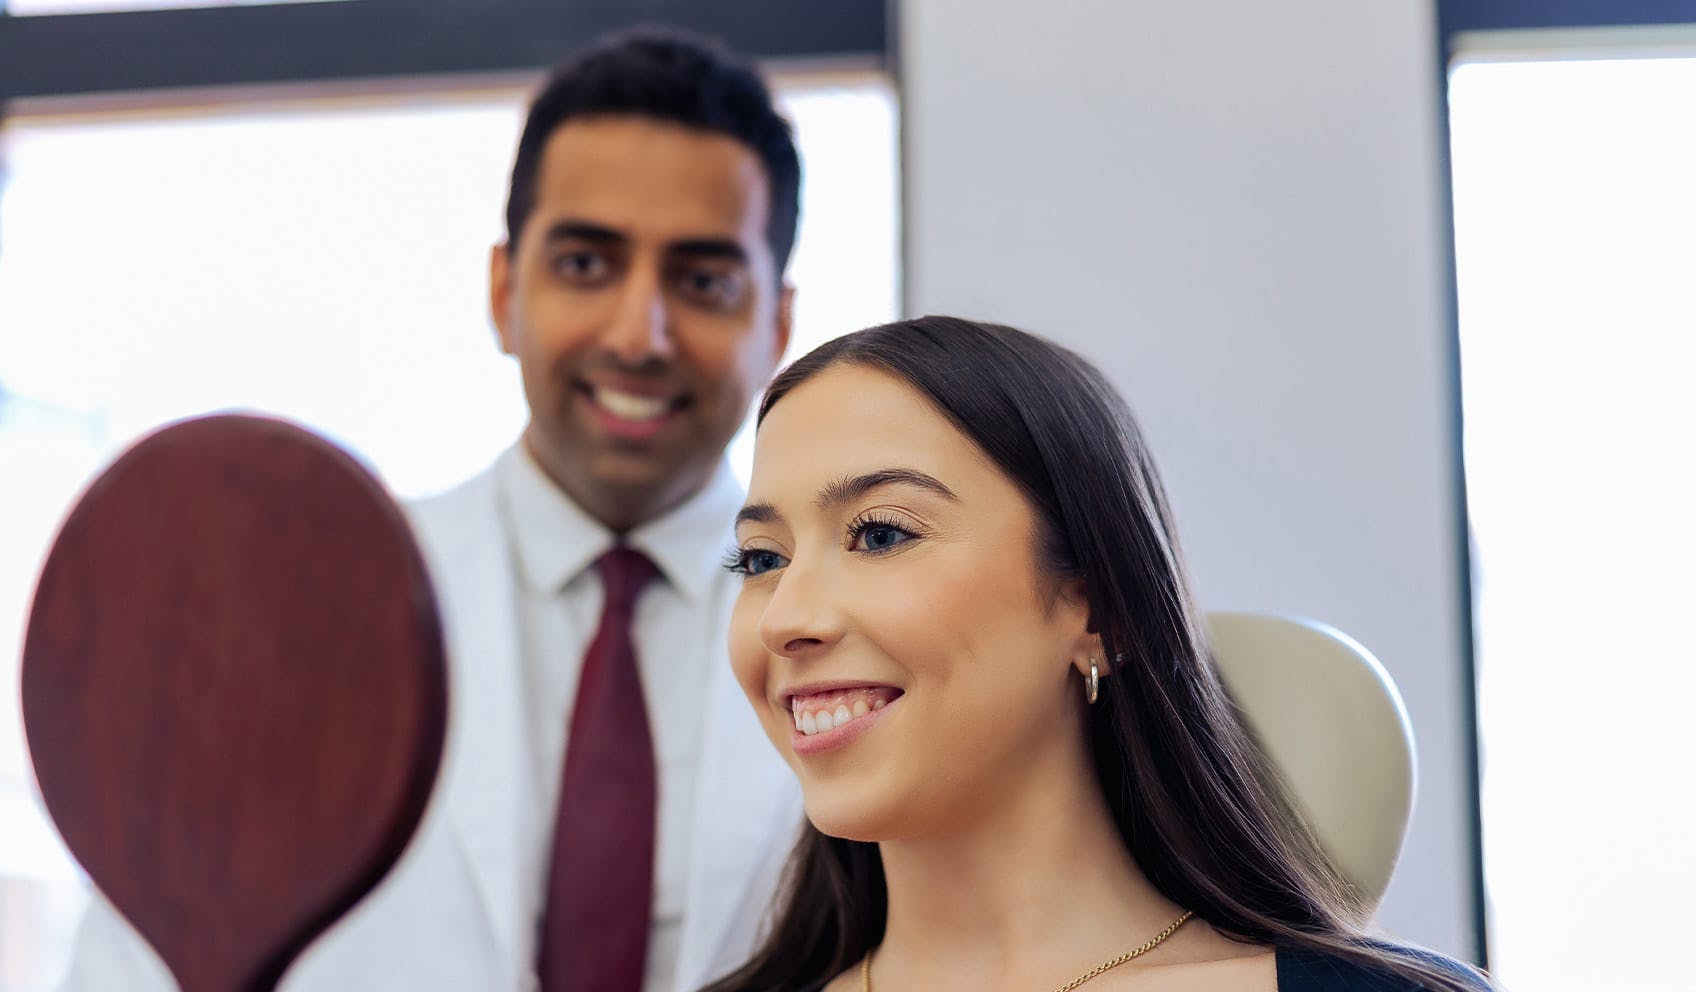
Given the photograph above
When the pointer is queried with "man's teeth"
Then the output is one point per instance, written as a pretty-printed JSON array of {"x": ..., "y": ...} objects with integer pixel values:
[
  {"x": 812, "y": 722},
  {"x": 629, "y": 406}
]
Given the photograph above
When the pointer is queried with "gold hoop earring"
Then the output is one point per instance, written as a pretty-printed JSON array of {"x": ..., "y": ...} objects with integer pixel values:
[{"x": 1092, "y": 688}]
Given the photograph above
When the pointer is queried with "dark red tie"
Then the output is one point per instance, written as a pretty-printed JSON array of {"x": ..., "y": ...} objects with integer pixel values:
[{"x": 601, "y": 882}]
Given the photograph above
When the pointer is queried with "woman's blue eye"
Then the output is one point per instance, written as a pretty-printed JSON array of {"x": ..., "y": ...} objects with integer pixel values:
[
  {"x": 875, "y": 537},
  {"x": 753, "y": 562},
  {"x": 763, "y": 561}
]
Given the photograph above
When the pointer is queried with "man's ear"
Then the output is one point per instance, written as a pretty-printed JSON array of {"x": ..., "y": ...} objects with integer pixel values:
[
  {"x": 785, "y": 319},
  {"x": 500, "y": 294}
]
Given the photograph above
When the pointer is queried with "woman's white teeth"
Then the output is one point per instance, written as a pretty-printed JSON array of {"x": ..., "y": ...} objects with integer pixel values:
[
  {"x": 629, "y": 406},
  {"x": 811, "y": 722},
  {"x": 818, "y": 723}
]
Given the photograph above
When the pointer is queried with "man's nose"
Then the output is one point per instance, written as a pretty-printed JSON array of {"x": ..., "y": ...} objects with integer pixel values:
[{"x": 641, "y": 327}]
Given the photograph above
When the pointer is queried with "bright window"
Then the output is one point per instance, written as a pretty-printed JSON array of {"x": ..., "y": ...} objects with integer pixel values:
[
  {"x": 325, "y": 260},
  {"x": 1575, "y": 217}
]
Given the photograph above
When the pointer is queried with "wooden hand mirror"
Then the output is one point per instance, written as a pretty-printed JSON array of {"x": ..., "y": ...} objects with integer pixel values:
[{"x": 234, "y": 692}]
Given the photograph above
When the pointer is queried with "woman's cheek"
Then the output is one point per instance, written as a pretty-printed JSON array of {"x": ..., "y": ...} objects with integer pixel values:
[{"x": 748, "y": 658}]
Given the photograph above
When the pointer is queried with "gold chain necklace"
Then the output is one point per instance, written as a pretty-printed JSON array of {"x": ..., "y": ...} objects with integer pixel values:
[{"x": 866, "y": 962}]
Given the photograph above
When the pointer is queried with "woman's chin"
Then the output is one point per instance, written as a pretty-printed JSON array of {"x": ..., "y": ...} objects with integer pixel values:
[{"x": 845, "y": 822}]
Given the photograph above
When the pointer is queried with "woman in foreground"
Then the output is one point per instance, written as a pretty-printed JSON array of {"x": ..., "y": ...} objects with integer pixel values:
[{"x": 966, "y": 625}]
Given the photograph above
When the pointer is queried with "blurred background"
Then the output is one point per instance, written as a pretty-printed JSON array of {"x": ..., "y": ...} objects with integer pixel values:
[{"x": 1401, "y": 291}]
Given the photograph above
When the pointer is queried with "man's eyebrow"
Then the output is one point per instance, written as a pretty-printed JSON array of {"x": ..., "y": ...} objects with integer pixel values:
[
  {"x": 581, "y": 230},
  {"x": 709, "y": 248},
  {"x": 848, "y": 489}
]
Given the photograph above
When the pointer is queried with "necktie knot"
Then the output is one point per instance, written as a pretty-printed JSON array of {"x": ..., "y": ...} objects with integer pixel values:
[{"x": 624, "y": 572}]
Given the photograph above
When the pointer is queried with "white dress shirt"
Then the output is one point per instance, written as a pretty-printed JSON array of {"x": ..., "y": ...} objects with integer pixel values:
[{"x": 680, "y": 628}]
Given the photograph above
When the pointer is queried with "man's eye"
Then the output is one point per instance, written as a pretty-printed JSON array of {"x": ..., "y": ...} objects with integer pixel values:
[
  {"x": 716, "y": 289},
  {"x": 581, "y": 266}
]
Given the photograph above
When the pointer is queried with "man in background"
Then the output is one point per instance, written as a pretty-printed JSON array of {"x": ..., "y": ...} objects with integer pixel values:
[{"x": 609, "y": 815}]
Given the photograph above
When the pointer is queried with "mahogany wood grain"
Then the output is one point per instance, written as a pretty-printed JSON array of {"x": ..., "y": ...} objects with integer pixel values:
[{"x": 234, "y": 692}]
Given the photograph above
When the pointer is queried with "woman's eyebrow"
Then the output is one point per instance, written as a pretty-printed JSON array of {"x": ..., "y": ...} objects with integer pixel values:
[
  {"x": 848, "y": 489},
  {"x": 759, "y": 513}
]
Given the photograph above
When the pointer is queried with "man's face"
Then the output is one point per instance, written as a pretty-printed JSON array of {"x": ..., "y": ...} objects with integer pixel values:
[{"x": 642, "y": 304}]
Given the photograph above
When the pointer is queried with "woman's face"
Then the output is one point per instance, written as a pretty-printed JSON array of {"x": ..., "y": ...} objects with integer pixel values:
[{"x": 894, "y": 633}]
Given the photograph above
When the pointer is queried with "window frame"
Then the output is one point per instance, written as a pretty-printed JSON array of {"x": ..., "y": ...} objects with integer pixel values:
[
  {"x": 55, "y": 55},
  {"x": 1459, "y": 16},
  {"x": 1455, "y": 19}
]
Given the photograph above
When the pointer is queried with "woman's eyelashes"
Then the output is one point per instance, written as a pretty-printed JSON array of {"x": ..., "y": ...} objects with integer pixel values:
[
  {"x": 748, "y": 562},
  {"x": 876, "y": 535},
  {"x": 869, "y": 535}
]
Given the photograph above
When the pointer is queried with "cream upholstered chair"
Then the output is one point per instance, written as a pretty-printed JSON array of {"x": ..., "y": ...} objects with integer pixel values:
[{"x": 1333, "y": 725}]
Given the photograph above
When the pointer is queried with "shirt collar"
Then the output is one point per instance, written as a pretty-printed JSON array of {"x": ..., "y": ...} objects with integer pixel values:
[{"x": 560, "y": 540}]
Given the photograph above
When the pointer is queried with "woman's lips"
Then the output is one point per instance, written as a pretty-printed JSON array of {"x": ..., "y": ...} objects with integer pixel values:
[{"x": 827, "y": 720}]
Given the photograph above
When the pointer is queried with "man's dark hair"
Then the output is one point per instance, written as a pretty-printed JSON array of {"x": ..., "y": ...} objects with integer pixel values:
[{"x": 671, "y": 77}]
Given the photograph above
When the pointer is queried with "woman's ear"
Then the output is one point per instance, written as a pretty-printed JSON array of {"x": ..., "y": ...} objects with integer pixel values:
[
  {"x": 1089, "y": 651},
  {"x": 1075, "y": 612}
]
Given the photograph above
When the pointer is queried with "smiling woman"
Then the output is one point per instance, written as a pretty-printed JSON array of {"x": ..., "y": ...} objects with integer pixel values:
[
  {"x": 911, "y": 580},
  {"x": 965, "y": 623}
]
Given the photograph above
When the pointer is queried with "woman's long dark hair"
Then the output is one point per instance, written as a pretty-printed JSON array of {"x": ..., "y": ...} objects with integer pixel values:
[{"x": 1189, "y": 790}]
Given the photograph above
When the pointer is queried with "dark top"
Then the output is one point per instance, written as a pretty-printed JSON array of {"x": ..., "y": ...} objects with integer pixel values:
[{"x": 1301, "y": 970}]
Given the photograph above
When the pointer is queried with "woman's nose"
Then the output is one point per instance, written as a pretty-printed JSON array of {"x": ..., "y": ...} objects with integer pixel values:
[{"x": 800, "y": 618}]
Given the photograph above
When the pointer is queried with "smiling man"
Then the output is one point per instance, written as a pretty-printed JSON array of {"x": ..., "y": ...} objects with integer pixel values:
[
  {"x": 609, "y": 816},
  {"x": 653, "y": 205},
  {"x": 640, "y": 289}
]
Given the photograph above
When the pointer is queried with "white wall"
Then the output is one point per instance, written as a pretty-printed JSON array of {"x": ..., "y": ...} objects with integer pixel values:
[{"x": 1233, "y": 208}]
